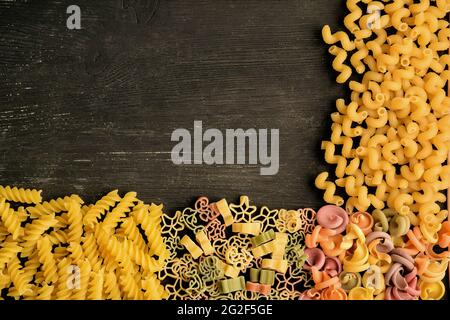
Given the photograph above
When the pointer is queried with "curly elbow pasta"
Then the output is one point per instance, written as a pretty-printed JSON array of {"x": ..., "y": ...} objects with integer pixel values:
[
  {"x": 395, "y": 131},
  {"x": 393, "y": 142},
  {"x": 63, "y": 249},
  {"x": 219, "y": 248}
]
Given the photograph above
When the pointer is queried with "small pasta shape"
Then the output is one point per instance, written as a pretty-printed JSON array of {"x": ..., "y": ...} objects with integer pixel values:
[
  {"x": 338, "y": 64},
  {"x": 18, "y": 278},
  {"x": 112, "y": 289},
  {"x": 21, "y": 195},
  {"x": 64, "y": 256},
  {"x": 33, "y": 231},
  {"x": 47, "y": 259},
  {"x": 100, "y": 208},
  {"x": 75, "y": 220},
  {"x": 10, "y": 220},
  {"x": 52, "y": 207},
  {"x": 340, "y": 36},
  {"x": 81, "y": 284},
  {"x": 330, "y": 189},
  {"x": 95, "y": 290}
]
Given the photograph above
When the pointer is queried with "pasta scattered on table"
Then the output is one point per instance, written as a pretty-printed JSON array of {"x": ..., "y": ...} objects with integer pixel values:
[
  {"x": 255, "y": 254},
  {"x": 64, "y": 249}
]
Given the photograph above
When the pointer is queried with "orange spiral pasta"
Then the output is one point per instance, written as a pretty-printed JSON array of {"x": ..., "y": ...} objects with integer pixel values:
[{"x": 363, "y": 220}]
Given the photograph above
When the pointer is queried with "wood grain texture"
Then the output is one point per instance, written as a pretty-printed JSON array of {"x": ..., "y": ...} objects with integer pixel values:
[{"x": 90, "y": 110}]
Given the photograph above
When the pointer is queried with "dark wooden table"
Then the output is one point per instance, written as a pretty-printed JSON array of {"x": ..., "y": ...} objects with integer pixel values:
[
  {"x": 92, "y": 110},
  {"x": 87, "y": 111}
]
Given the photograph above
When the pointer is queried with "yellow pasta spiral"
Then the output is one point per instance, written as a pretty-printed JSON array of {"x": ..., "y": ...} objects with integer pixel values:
[
  {"x": 112, "y": 289},
  {"x": 119, "y": 212},
  {"x": 435, "y": 271},
  {"x": 95, "y": 290},
  {"x": 48, "y": 261},
  {"x": 20, "y": 195},
  {"x": 8, "y": 251},
  {"x": 31, "y": 266},
  {"x": 141, "y": 258},
  {"x": 153, "y": 290},
  {"x": 80, "y": 292},
  {"x": 75, "y": 218},
  {"x": 76, "y": 252},
  {"x": 431, "y": 290},
  {"x": 339, "y": 36},
  {"x": 53, "y": 206},
  {"x": 18, "y": 279},
  {"x": 358, "y": 261},
  {"x": 354, "y": 15},
  {"x": 111, "y": 247},
  {"x": 100, "y": 208},
  {"x": 43, "y": 293},
  {"x": 330, "y": 189},
  {"x": 63, "y": 291},
  {"x": 33, "y": 231},
  {"x": 58, "y": 237},
  {"x": 130, "y": 230},
  {"x": 10, "y": 220},
  {"x": 338, "y": 64},
  {"x": 129, "y": 286},
  {"x": 148, "y": 221},
  {"x": 90, "y": 250}
]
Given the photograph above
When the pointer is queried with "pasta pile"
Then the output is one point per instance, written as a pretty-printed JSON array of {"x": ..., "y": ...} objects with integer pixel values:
[
  {"x": 390, "y": 145},
  {"x": 64, "y": 249},
  {"x": 263, "y": 256},
  {"x": 355, "y": 258},
  {"x": 394, "y": 134},
  {"x": 236, "y": 252}
]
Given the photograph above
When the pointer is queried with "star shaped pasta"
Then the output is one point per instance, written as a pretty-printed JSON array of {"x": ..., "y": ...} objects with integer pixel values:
[
  {"x": 244, "y": 211},
  {"x": 172, "y": 224},
  {"x": 287, "y": 281}
]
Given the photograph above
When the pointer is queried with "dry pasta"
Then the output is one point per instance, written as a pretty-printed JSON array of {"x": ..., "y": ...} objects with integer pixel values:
[
  {"x": 57, "y": 249},
  {"x": 269, "y": 241},
  {"x": 394, "y": 134}
]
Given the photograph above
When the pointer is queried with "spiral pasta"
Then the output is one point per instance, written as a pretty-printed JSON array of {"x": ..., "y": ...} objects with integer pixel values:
[
  {"x": 51, "y": 251},
  {"x": 401, "y": 100},
  {"x": 95, "y": 291},
  {"x": 33, "y": 231},
  {"x": 83, "y": 271},
  {"x": 100, "y": 208},
  {"x": 52, "y": 207},
  {"x": 20, "y": 195},
  {"x": 48, "y": 261},
  {"x": 75, "y": 218},
  {"x": 112, "y": 289},
  {"x": 10, "y": 220}
]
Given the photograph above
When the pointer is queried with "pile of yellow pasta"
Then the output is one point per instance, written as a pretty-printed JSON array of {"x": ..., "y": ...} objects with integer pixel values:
[
  {"x": 64, "y": 249},
  {"x": 390, "y": 142}
]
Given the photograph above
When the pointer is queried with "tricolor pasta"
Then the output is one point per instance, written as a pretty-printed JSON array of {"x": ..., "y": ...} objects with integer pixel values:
[{"x": 253, "y": 253}]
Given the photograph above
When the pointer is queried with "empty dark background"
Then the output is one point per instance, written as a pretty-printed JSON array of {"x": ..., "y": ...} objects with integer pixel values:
[{"x": 87, "y": 111}]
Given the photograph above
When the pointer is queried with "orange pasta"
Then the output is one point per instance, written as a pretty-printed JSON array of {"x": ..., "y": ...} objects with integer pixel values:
[{"x": 363, "y": 220}]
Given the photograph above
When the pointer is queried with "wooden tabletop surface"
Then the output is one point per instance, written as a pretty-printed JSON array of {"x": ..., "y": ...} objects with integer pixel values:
[{"x": 91, "y": 110}]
